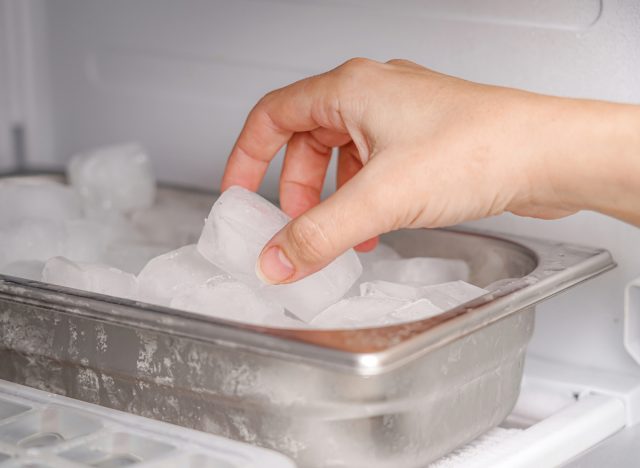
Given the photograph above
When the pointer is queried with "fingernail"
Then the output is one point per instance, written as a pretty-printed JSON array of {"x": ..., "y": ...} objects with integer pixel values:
[{"x": 274, "y": 267}]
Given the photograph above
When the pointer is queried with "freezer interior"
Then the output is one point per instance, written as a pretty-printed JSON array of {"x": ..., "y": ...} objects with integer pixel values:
[{"x": 180, "y": 77}]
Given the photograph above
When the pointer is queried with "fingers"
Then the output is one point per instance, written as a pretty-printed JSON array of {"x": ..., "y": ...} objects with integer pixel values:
[
  {"x": 257, "y": 144},
  {"x": 301, "y": 107},
  {"x": 303, "y": 172},
  {"x": 348, "y": 166},
  {"x": 305, "y": 167},
  {"x": 358, "y": 211}
]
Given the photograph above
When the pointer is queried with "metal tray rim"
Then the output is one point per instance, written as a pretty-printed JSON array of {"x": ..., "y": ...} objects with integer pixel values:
[{"x": 363, "y": 351}]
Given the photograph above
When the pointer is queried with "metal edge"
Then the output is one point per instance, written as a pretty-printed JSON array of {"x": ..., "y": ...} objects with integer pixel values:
[{"x": 457, "y": 323}]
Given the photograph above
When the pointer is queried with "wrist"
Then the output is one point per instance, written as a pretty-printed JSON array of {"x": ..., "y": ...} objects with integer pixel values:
[
  {"x": 599, "y": 159},
  {"x": 585, "y": 156}
]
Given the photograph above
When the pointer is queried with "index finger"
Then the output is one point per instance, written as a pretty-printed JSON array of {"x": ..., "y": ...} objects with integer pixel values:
[{"x": 269, "y": 126}]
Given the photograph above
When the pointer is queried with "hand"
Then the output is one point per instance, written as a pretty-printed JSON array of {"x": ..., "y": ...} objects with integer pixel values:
[{"x": 417, "y": 149}]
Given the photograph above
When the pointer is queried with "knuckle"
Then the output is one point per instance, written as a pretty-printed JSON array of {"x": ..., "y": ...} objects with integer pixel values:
[
  {"x": 357, "y": 64},
  {"x": 307, "y": 242},
  {"x": 351, "y": 75}
]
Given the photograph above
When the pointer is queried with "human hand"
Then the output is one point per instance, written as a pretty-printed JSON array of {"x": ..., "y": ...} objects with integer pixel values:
[{"x": 416, "y": 149}]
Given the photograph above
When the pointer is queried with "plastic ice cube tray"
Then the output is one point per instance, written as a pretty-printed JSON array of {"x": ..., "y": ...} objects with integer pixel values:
[{"x": 43, "y": 430}]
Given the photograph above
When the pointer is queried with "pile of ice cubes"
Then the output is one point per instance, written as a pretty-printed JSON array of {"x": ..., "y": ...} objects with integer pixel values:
[{"x": 109, "y": 232}]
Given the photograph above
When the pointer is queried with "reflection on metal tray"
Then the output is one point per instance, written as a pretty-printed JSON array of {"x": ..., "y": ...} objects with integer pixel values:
[{"x": 397, "y": 396}]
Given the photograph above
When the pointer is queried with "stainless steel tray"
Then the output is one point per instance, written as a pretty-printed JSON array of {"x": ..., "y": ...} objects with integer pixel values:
[{"x": 397, "y": 396}]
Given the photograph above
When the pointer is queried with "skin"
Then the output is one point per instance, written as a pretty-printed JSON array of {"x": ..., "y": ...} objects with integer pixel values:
[{"x": 419, "y": 149}]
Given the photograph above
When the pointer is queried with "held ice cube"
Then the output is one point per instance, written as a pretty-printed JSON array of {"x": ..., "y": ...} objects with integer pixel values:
[
  {"x": 20, "y": 201},
  {"x": 174, "y": 273},
  {"x": 101, "y": 279},
  {"x": 226, "y": 299},
  {"x": 240, "y": 224},
  {"x": 113, "y": 178},
  {"x": 419, "y": 271},
  {"x": 309, "y": 296}
]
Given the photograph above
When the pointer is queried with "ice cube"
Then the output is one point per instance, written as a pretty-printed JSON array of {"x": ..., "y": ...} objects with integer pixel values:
[
  {"x": 281, "y": 319},
  {"x": 118, "y": 178},
  {"x": 21, "y": 200},
  {"x": 132, "y": 256},
  {"x": 374, "y": 311},
  {"x": 445, "y": 296},
  {"x": 174, "y": 273},
  {"x": 381, "y": 252},
  {"x": 357, "y": 312},
  {"x": 86, "y": 241},
  {"x": 32, "y": 240},
  {"x": 97, "y": 278},
  {"x": 29, "y": 269},
  {"x": 421, "y": 271},
  {"x": 226, "y": 299},
  {"x": 309, "y": 296},
  {"x": 240, "y": 224},
  {"x": 170, "y": 224},
  {"x": 449, "y": 295},
  {"x": 417, "y": 310},
  {"x": 89, "y": 239},
  {"x": 388, "y": 289}
]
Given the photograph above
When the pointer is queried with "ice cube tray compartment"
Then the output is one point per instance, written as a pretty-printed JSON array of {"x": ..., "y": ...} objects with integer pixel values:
[
  {"x": 116, "y": 449},
  {"x": 47, "y": 427},
  {"x": 51, "y": 431},
  {"x": 9, "y": 409}
]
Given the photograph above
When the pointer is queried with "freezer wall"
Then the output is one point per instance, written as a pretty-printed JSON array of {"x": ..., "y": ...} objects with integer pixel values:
[{"x": 180, "y": 76}]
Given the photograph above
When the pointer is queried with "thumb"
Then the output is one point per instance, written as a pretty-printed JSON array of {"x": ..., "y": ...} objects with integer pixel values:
[{"x": 353, "y": 214}]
